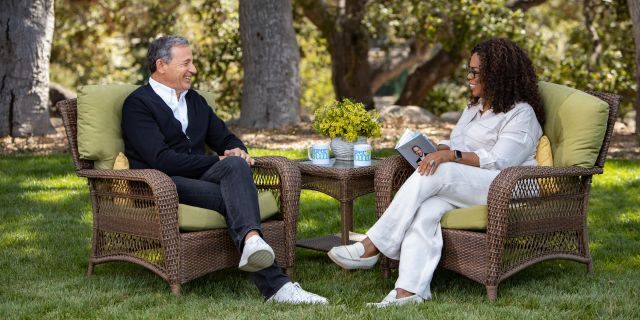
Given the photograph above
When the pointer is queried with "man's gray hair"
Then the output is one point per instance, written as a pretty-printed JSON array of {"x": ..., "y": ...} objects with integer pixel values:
[{"x": 161, "y": 49}]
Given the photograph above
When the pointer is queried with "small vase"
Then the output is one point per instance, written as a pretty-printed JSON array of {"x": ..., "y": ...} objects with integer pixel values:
[{"x": 343, "y": 149}]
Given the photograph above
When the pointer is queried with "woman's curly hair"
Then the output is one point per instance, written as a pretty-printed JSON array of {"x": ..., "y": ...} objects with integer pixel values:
[{"x": 507, "y": 77}]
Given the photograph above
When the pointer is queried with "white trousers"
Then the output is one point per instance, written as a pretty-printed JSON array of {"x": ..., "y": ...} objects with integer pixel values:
[{"x": 409, "y": 229}]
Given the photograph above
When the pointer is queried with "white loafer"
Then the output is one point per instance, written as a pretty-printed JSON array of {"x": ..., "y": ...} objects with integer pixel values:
[
  {"x": 390, "y": 300},
  {"x": 348, "y": 257},
  {"x": 256, "y": 255}
]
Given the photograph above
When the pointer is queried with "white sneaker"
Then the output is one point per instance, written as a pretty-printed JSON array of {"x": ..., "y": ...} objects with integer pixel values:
[
  {"x": 348, "y": 257},
  {"x": 292, "y": 293},
  {"x": 390, "y": 300},
  {"x": 256, "y": 255}
]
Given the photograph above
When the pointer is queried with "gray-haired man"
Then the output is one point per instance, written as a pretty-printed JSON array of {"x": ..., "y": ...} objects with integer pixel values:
[{"x": 166, "y": 126}]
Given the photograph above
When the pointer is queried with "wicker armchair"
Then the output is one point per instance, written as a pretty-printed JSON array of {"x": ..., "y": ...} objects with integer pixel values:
[
  {"x": 135, "y": 217},
  {"x": 534, "y": 214}
]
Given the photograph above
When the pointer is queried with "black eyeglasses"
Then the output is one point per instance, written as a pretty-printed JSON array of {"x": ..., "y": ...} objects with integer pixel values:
[{"x": 473, "y": 73}]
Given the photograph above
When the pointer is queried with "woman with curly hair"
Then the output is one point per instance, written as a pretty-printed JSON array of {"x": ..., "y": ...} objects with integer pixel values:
[{"x": 500, "y": 128}]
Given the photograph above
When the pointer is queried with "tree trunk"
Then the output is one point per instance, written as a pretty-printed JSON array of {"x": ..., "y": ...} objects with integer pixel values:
[
  {"x": 348, "y": 43},
  {"x": 26, "y": 31},
  {"x": 349, "y": 48},
  {"x": 422, "y": 80},
  {"x": 634, "y": 12},
  {"x": 270, "y": 59}
]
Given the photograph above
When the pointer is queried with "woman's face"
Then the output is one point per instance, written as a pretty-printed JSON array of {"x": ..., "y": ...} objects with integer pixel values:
[{"x": 473, "y": 76}]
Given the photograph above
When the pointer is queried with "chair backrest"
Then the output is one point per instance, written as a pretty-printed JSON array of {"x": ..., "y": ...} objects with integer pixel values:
[
  {"x": 578, "y": 124},
  {"x": 96, "y": 126},
  {"x": 69, "y": 111}
]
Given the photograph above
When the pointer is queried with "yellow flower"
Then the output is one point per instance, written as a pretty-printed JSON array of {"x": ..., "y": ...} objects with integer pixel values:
[{"x": 346, "y": 119}]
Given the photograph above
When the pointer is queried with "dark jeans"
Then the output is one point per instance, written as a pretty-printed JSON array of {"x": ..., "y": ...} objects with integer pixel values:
[{"x": 228, "y": 188}]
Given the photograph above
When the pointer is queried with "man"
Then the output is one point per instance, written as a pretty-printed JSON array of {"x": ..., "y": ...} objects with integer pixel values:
[
  {"x": 166, "y": 125},
  {"x": 418, "y": 151}
]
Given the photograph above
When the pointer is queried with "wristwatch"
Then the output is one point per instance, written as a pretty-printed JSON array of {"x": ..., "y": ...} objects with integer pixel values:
[{"x": 457, "y": 155}]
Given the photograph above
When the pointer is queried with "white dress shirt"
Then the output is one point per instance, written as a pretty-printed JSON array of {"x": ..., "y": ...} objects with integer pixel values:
[
  {"x": 177, "y": 106},
  {"x": 500, "y": 140}
]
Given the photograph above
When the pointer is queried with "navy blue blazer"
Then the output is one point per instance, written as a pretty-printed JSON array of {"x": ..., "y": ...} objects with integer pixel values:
[{"x": 153, "y": 137}]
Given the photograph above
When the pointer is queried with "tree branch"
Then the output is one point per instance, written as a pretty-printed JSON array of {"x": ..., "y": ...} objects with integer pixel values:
[
  {"x": 440, "y": 66},
  {"x": 318, "y": 13},
  {"x": 524, "y": 5},
  {"x": 589, "y": 13},
  {"x": 385, "y": 72}
]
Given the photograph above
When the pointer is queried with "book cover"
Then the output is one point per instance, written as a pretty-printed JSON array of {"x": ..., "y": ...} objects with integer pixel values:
[{"x": 413, "y": 146}]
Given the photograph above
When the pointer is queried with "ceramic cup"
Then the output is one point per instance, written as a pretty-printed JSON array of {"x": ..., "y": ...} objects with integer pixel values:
[
  {"x": 319, "y": 153},
  {"x": 361, "y": 155}
]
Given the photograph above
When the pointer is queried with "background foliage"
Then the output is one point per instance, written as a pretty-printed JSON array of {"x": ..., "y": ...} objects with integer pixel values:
[{"x": 104, "y": 41}]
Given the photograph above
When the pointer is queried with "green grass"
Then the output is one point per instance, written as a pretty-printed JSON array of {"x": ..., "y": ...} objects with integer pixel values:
[{"x": 45, "y": 232}]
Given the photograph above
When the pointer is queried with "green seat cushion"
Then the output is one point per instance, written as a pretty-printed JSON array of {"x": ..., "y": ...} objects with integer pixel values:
[
  {"x": 575, "y": 124},
  {"x": 196, "y": 219},
  {"x": 472, "y": 218},
  {"x": 99, "y": 115}
]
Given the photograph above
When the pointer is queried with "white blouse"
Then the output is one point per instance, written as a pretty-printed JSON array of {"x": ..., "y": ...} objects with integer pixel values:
[{"x": 500, "y": 140}]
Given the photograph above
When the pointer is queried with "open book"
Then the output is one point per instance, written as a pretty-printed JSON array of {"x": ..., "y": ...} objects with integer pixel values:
[{"x": 413, "y": 146}]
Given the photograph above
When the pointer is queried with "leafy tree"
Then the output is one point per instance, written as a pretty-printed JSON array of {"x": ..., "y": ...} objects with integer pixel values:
[
  {"x": 584, "y": 45},
  {"x": 99, "y": 42},
  {"x": 435, "y": 34}
]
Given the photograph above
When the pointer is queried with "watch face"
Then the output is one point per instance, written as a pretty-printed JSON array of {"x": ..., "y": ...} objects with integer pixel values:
[{"x": 458, "y": 154}]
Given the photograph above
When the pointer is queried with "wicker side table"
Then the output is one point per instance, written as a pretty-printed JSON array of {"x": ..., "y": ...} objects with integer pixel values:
[{"x": 342, "y": 181}]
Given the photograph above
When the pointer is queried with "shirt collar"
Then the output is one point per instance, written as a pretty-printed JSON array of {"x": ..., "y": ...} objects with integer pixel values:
[{"x": 166, "y": 93}]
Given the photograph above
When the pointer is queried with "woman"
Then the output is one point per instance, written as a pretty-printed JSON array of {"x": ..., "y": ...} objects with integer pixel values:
[{"x": 500, "y": 128}]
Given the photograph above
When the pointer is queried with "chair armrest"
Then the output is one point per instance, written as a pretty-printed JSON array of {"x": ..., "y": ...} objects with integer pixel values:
[
  {"x": 527, "y": 201},
  {"x": 138, "y": 188},
  {"x": 390, "y": 174},
  {"x": 282, "y": 175},
  {"x": 525, "y": 183}
]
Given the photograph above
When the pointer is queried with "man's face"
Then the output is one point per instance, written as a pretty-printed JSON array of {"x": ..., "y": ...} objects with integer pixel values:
[
  {"x": 418, "y": 151},
  {"x": 177, "y": 73}
]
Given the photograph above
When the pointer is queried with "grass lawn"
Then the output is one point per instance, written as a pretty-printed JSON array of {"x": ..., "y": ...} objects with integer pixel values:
[{"x": 45, "y": 232}]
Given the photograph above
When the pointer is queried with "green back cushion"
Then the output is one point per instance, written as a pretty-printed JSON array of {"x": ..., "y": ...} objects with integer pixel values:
[
  {"x": 575, "y": 124},
  {"x": 472, "y": 218},
  {"x": 99, "y": 115},
  {"x": 196, "y": 219}
]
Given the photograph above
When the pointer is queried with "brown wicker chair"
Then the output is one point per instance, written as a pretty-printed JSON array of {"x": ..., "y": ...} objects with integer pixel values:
[
  {"x": 524, "y": 226},
  {"x": 135, "y": 217}
]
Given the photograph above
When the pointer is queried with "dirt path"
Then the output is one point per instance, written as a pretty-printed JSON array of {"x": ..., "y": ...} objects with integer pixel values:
[{"x": 623, "y": 145}]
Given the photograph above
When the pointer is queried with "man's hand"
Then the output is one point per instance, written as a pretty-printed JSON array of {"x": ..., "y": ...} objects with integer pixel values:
[
  {"x": 432, "y": 160},
  {"x": 237, "y": 152}
]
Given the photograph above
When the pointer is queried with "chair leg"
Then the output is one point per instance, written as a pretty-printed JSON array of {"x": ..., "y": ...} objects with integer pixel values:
[
  {"x": 176, "y": 290},
  {"x": 590, "y": 266},
  {"x": 90, "y": 268},
  {"x": 385, "y": 266},
  {"x": 492, "y": 293},
  {"x": 386, "y": 272},
  {"x": 290, "y": 272}
]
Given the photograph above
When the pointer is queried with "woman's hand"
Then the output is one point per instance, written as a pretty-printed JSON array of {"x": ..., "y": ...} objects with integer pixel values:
[{"x": 432, "y": 160}]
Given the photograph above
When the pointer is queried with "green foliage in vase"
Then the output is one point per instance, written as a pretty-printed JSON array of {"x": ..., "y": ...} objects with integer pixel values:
[{"x": 346, "y": 119}]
